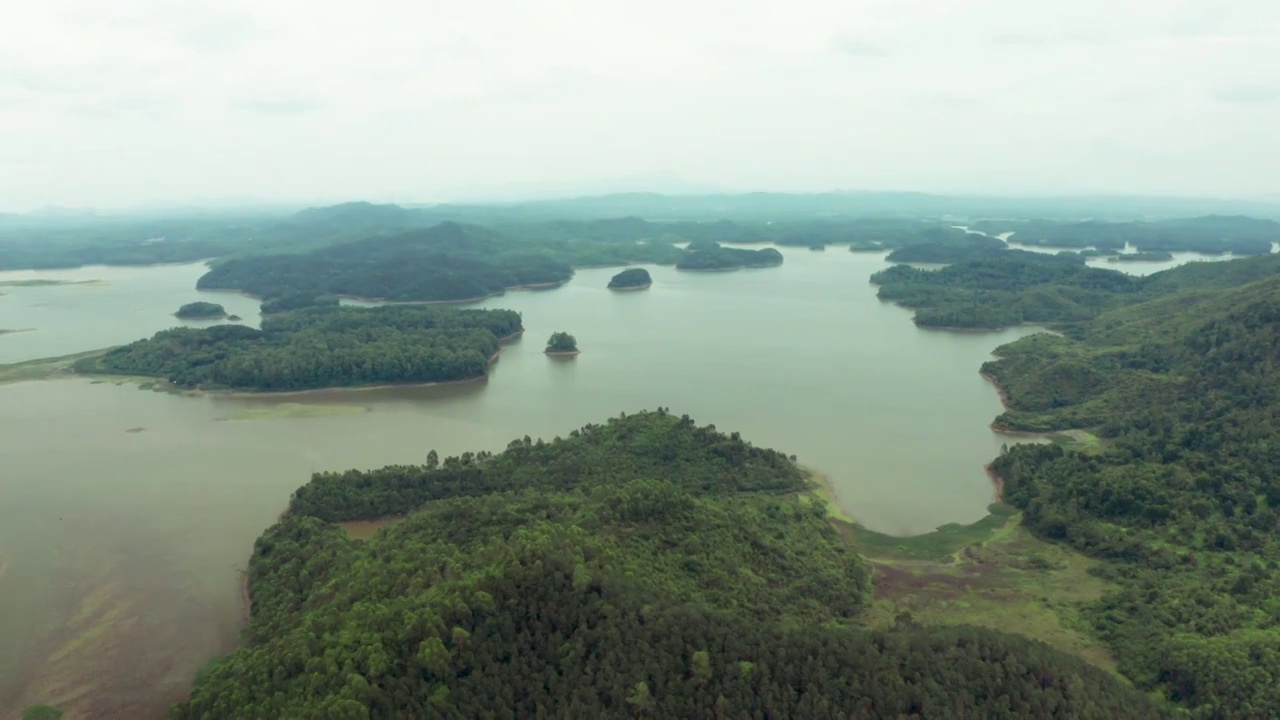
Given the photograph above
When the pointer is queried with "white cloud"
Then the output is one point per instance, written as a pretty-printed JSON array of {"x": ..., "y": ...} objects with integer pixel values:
[{"x": 157, "y": 100}]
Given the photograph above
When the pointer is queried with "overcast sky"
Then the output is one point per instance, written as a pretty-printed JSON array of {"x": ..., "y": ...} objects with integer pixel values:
[{"x": 123, "y": 103}]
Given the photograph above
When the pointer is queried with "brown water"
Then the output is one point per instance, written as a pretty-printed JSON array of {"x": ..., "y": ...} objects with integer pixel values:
[{"x": 122, "y": 551}]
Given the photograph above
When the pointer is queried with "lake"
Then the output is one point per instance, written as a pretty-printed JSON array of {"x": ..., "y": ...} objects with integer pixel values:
[{"x": 127, "y": 516}]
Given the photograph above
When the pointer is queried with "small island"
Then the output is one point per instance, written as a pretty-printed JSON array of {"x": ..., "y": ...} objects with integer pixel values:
[
  {"x": 201, "y": 311},
  {"x": 631, "y": 279},
  {"x": 562, "y": 344},
  {"x": 234, "y": 318}
]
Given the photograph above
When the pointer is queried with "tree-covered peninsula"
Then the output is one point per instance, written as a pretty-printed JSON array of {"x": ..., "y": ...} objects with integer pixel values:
[
  {"x": 646, "y": 567},
  {"x": 320, "y": 347},
  {"x": 1176, "y": 488},
  {"x": 631, "y": 279},
  {"x": 201, "y": 311},
  {"x": 1016, "y": 286},
  {"x": 709, "y": 255}
]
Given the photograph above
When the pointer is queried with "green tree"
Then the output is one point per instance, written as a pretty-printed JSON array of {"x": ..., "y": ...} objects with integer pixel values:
[{"x": 562, "y": 342}]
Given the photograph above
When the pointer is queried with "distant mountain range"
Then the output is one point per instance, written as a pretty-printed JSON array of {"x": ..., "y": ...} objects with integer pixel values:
[{"x": 757, "y": 206}]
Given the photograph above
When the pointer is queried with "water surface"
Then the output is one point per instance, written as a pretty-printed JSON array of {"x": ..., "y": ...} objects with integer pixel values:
[{"x": 123, "y": 549}]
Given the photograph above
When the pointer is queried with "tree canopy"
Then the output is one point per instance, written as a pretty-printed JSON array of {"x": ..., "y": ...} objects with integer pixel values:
[
  {"x": 631, "y": 279},
  {"x": 1180, "y": 495},
  {"x": 320, "y": 347},
  {"x": 562, "y": 342},
  {"x": 1000, "y": 288},
  {"x": 646, "y": 567},
  {"x": 709, "y": 255},
  {"x": 201, "y": 310}
]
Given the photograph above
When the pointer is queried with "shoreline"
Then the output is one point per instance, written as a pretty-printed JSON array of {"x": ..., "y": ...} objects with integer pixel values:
[
  {"x": 996, "y": 480},
  {"x": 957, "y": 329},
  {"x": 561, "y": 353},
  {"x": 631, "y": 288}
]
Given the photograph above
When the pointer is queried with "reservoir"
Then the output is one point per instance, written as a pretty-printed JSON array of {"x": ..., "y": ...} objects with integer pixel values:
[{"x": 127, "y": 515}]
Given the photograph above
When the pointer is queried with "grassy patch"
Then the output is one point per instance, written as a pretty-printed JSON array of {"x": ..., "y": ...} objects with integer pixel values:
[
  {"x": 295, "y": 410},
  {"x": 1080, "y": 440},
  {"x": 992, "y": 573},
  {"x": 43, "y": 368}
]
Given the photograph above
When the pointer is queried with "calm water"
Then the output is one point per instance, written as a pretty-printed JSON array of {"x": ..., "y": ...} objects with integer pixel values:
[
  {"x": 111, "y": 306},
  {"x": 127, "y": 515}
]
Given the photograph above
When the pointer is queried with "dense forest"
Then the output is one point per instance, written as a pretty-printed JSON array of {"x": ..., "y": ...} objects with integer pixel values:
[
  {"x": 957, "y": 248},
  {"x": 320, "y": 347},
  {"x": 201, "y": 310},
  {"x": 1213, "y": 234},
  {"x": 447, "y": 262},
  {"x": 1010, "y": 287},
  {"x": 709, "y": 255},
  {"x": 1180, "y": 494},
  {"x": 631, "y": 279},
  {"x": 646, "y": 567}
]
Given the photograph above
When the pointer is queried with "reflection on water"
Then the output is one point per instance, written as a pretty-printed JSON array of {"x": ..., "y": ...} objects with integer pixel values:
[{"x": 124, "y": 549}]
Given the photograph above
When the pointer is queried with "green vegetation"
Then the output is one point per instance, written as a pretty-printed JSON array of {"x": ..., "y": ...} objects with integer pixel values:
[
  {"x": 1213, "y": 234},
  {"x": 320, "y": 347},
  {"x": 644, "y": 567},
  {"x": 631, "y": 279},
  {"x": 562, "y": 343},
  {"x": 201, "y": 310},
  {"x": 708, "y": 255},
  {"x": 42, "y": 712},
  {"x": 1016, "y": 286},
  {"x": 956, "y": 247},
  {"x": 1179, "y": 498},
  {"x": 448, "y": 262},
  {"x": 1007, "y": 288}
]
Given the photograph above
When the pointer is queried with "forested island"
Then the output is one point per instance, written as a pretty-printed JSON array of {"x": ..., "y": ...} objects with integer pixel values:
[
  {"x": 708, "y": 255},
  {"x": 1011, "y": 287},
  {"x": 320, "y": 347},
  {"x": 643, "y": 567},
  {"x": 1178, "y": 492},
  {"x": 201, "y": 311},
  {"x": 562, "y": 343},
  {"x": 631, "y": 279}
]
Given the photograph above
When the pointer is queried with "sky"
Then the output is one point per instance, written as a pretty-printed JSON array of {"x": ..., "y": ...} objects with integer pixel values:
[{"x": 141, "y": 102}]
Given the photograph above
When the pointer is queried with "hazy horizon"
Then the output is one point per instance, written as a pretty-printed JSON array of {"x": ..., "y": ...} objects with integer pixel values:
[{"x": 163, "y": 103}]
